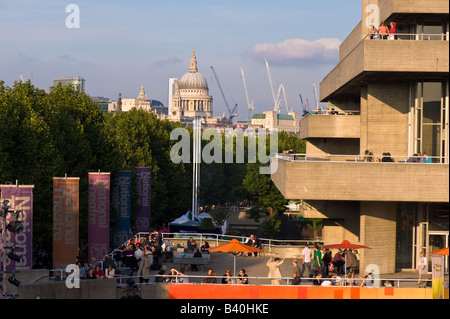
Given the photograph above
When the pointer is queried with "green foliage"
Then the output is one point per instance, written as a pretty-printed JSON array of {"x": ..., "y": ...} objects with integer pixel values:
[
  {"x": 45, "y": 135},
  {"x": 207, "y": 224}
]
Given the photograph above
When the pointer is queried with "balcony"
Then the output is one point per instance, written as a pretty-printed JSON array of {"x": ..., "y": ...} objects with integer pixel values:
[
  {"x": 330, "y": 126},
  {"x": 387, "y": 59},
  {"x": 332, "y": 178}
]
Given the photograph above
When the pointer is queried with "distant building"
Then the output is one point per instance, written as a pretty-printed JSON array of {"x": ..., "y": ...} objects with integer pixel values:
[
  {"x": 272, "y": 120},
  {"x": 140, "y": 103},
  {"x": 189, "y": 99},
  {"x": 77, "y": 82},
  {"x": 102, "y": 102}
]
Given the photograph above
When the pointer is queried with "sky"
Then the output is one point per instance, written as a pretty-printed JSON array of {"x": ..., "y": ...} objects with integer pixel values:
[{"x": 120, "y": 45}]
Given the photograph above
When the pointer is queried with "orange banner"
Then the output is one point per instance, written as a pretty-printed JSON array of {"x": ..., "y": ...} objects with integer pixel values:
[{"x": 65, "y": 221}]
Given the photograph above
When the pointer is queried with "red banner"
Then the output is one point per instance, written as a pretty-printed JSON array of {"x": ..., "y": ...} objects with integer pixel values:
[
  {"x": 66, "y": 193},
  {"x": 98, "y": 201}
]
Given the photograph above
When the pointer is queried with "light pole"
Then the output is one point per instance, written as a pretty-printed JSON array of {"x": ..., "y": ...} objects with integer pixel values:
[{"x": 15, "y": 226}]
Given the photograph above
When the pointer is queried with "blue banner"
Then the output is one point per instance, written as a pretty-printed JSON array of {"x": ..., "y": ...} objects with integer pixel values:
[{"x": 121, "y": 201}]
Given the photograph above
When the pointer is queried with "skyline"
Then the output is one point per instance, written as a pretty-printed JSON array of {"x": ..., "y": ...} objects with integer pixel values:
[{"x": 120, "y": 46}]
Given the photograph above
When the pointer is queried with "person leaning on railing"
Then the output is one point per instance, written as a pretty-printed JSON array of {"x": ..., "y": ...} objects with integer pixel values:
[{"x": 384, "y": 31}]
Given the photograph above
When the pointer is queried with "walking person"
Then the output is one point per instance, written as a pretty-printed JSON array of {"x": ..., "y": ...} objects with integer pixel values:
[
  {"x": 306, "y": 262},
  {"x": 274, "y": 270},
  {"x": 422, "y": 267}
]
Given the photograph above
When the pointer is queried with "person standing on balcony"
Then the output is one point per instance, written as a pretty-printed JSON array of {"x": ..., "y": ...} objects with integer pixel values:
[
  {"x": 426, "y": 158},
  {"x": 393, "y": 31},
  {"x": 383, "y": 30},
  {"x": 373, "y": 32}
]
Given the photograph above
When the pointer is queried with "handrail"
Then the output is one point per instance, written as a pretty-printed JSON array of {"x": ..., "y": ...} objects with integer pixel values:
[
  {"x": 412, "y": 36},
  {"x": 357, "y": 158},
  {"x": 264, "y": 241}
]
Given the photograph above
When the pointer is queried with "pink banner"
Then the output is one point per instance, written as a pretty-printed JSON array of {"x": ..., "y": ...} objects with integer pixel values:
[
  {"x": 98, "y": 201},
  {"x": 21, "y": 201},
  {"x": 144, "y": 191}
]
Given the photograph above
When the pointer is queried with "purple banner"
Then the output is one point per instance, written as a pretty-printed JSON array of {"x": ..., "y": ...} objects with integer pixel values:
[
  {"x": 98, "y": 201},
  {"x": 143, "y": 189},
  {"x": 21, "y": 201}
]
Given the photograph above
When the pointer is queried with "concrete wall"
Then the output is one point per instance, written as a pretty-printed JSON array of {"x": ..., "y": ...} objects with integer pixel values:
[
  {"x": 363, "y": 181},
  {"x": 330, "y": 126},
  {"x": 387, "y": 56},
  {"x": 388, "y": 7},
  {"x": 378, "y": 231},
  {"x": 325, "y": 146},
  {"x": 89, "y": 289},
  {"x": 384, "y": 119}
]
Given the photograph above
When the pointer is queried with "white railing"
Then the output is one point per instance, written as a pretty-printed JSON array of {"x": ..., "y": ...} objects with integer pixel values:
[
  {"x": 218, "y": 239},
  {"x": 359, "y": 158},
  {"x": 410, "y": 37}
]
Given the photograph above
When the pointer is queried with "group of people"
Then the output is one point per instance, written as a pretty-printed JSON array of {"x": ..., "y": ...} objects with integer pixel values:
[
  {"x": 386, "y": 157},
  {"x": 419, "y": 158},
  {"x": 383, "y": 32},
  {"x": 95, "y": 269},
  {"x": 320, "y": 263}
]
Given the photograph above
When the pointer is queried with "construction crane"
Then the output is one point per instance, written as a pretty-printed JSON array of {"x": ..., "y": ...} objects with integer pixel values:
[
  {"x": 232, "y": 112},
  {"x": 282, "y": 90},
  {"x": 251, "y": 105},
  {"x": 277, "y": 99},
  {"x": 276, "y": 106}
]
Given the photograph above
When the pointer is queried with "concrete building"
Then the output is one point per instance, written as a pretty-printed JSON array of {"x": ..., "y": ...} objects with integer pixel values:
[
  {"x": 388, "y": 96},
  {"x": 273, "y": 120}
]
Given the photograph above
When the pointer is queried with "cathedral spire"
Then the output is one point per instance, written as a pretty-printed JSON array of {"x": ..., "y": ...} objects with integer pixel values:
[
  {"x": 193, "y": 67},
  {"x": 142, "y": 95}
]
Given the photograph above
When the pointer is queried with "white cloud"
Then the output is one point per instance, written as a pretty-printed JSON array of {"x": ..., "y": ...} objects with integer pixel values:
[{"x": 299, "y": 52}]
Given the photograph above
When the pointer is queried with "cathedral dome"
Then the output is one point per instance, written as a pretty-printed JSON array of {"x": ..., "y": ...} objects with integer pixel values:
[{"x": 193, "y": 80}]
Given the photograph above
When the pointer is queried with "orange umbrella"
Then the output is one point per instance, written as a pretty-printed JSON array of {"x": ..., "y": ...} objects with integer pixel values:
[
  {"x": 443, "y": 252},
  {"x": 234, "y": 246}
]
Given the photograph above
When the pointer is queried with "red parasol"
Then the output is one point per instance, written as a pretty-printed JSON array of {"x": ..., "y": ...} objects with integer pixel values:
[
  {"x": 443, "y": 252},
  {"x": 346, "y": 245},
  {"x": 235, "y": 247}
]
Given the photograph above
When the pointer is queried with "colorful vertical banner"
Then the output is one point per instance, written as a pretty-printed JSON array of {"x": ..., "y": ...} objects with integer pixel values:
[
  {"x": 437, "y": 284},
  {"x": 21, "y": 201},
  {"x": 121, "y": 201},
  {"x": 143, "y": 189},
  {"x": 66, "y": 206},
  {"x": 99, "y": 211}
]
